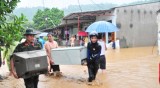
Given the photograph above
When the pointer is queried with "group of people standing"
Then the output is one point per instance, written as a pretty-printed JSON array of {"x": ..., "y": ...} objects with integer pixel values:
[
  {"x": 95, "y": 56},
  {"x": 82, "y": 42}
]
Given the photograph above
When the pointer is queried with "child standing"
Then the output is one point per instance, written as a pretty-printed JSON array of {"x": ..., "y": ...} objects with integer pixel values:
[
  {"x": 93, "y": 52},
  {"x": 72, "y": 40}
]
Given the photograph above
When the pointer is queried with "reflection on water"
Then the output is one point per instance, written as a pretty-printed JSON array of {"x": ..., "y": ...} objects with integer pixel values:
[{"x": 126, "y": 68}]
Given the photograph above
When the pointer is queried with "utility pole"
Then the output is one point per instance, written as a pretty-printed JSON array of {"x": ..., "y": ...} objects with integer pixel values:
[
  {"x": 43, "y": 4},
  {"x": 158, "y": 22}
]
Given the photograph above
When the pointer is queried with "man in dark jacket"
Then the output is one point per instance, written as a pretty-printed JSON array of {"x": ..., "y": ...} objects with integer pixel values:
[{"x": 28, "y": 45}]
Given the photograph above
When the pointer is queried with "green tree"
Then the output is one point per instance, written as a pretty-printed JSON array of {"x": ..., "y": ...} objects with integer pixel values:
[
  {"x": 47, "y": 18},
  {"x": 11, "y": 31},
  {"x": 11, "y": 28},
  {"x": 7, "y": 6}
]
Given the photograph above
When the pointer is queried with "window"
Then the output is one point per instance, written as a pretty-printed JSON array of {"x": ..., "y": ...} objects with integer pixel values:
[
  {"x": 125, "y": 11},
  {"x": 118, "y": 25},
  {"x": 145, "y": 12},
  {"x": 138, "y": 11},
  {"x": 109, "y": 21},
  {"x": 131, "y": 25},
  {"x": 151, "y": 12},
  {"x": 118, "y": 10},
  {"x": 158, "y": 11},
  {"x": 131, "y": 11}
]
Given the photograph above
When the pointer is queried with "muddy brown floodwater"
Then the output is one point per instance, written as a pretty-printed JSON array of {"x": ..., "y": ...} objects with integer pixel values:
[{"x": 126, "y": 68}]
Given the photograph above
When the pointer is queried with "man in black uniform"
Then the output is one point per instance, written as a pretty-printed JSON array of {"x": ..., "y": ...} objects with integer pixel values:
[
  {"x": 94, "y": 51},
  {"x": 28, "y": 45}
]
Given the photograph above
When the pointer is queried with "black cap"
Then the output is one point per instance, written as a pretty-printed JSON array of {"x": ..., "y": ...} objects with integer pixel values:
[{"x": 30, "y": 32}]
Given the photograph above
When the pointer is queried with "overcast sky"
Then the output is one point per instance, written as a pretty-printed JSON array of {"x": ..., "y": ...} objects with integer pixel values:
[{"x": 65, "y": 3}]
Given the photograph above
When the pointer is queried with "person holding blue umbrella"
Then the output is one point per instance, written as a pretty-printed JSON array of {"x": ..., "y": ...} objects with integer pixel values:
[
  {"x": 102, "y": 60},
  {"x": 102, "y": 27}
]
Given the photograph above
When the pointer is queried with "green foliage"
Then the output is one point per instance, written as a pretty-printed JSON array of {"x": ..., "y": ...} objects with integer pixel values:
[
  {"x": 9, "y": 52},
  {"x": 7, "y": 6},
  {"x": 12, "y": 31},
  {"x": 11, "y": 28},
  {"x": 47, "y": 18}
]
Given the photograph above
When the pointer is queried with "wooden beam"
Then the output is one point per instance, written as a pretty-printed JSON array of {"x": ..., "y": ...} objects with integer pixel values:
[{"x": 78, "y": 24}]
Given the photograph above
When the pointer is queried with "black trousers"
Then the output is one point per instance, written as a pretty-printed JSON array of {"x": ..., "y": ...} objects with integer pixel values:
[
  {"x": 93, "y": 66},
  {"x": 102, "y": 62},
  {"x": 31, "y": 82},
  {"x": 55, "y": 68}
]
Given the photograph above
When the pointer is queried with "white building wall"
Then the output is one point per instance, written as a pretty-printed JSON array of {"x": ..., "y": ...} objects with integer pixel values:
[{"x": 142, "y": 18}]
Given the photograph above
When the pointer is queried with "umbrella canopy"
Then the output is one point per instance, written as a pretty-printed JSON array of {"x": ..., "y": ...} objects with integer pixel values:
[
  {"x": 102, "y": 26},
  {"x": 42, "y": 34},
  {"x": 82, "y": 33}
]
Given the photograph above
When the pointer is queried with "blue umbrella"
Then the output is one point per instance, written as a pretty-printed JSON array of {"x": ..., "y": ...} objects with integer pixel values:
[{"x": 102, "y": 26}]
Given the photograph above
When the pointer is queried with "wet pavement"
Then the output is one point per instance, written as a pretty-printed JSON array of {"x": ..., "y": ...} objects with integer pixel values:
[{"x": 126, "y": 68}]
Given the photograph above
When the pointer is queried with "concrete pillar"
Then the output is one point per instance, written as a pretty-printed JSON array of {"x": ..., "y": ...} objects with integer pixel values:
[
  {"x": 114, "y": 18},
  {"x": 106, "y": 37}
]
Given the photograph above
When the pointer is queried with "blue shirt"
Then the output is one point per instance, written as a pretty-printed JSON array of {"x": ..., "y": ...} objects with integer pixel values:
[{"x": 42, "y": 41}]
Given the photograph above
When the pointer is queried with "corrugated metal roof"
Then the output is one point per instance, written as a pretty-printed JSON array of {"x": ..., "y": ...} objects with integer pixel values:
[{"x": 88, "y": 15}]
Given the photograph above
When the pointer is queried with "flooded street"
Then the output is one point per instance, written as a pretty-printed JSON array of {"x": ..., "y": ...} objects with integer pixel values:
[{"x": 126, "y": 68}]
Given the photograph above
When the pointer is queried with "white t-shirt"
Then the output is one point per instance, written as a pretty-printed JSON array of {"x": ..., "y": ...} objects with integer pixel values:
[
  {"x": 102, "y": 43},
  {"x": 117, "y": 44}
]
